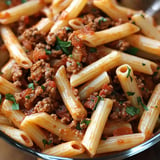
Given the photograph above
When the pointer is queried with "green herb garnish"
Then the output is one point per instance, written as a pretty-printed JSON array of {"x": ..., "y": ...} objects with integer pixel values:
[
  {"x": 10, "y": 97},
  {"x": 131, "y": 110},
  {"x": 142, "y": 16},
  {"x": 139, "y": 101},
  {"x": 130, "y": 93},
  {"x": 48, "y": 52},
  {"x": 43, "y": 87},
  {"x": 78, "y": 63},
  {"x": 98, "y": 100},
  {"x": 156, "y": 106},
  {"x": 78, "y": 126},
  {"x": 103, "y": 138},
  {"x": 87, "y": 122},
  {"x": 63, "y": 45},
  {"x": 68, "y": 29},
  {"x": 143, "y": 64},
  {"x": 8, "y": 2},
  {"x": 45, "y": 142},
  {"x": 128, "y": 74},
  {"x": 31, "y": 85},
  {"x": 102, "y": 20},
  {"x": 28, "y": 97},
  {"x": 132, "y": 50},
  {"x": 92, "y": 50}
]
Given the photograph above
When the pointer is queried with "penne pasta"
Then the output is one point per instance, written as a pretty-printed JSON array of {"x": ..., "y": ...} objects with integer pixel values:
[
  {"x": 146, "y": 44},
  {"x": 128, "y": 83},
  {"x": 137, "y": 63},
  {"x": 7, "y": 87},
  {"x": 7, "y": 69},
  {"x": 54, "y": 126},
  {"x": 72, "y": 11},
  {"x": 44, "y": 25},
  {"x": 15, "y": 49},
  {"x": 74, "y": 106},
  {"x": 113, "y": 10},
  {"x": 95, "y": 129},
  {"x": 119, "y": 143},
  {"x": 4, "y": 120},
  {"x": 76, "y": 23},
  {"x": 59, "y": 5},
  {"x": 17, "y": 135},
  {"x": 91, "y": 71},
  {"x": 16, "y": 116},
  {"x": 93, "y": 85},
  {"x": 149, "y": 117},
  {"x": 67, "y": 149},
  {"x": 94, "y": 39},
  {"x": 116, "y": 128},
  {"x": 25, "y": 9},
  {"x": 146, "y": 25}
]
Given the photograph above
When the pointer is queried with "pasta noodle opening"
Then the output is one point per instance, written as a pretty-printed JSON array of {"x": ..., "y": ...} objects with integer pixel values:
[
  {"x": 76, "y": 146},
  {"x": 123, "y": 69},
  {"x": 25, "y": 138}
]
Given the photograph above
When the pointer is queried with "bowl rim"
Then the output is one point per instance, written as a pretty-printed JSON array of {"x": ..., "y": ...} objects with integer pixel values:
[{"x": 114, "y": 156}]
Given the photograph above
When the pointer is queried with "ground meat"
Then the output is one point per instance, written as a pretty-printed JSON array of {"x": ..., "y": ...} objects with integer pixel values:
[
  {"x": 45, "y": 105},
  {"x": 41, "y": 71},
  {"x": 30, "y": 38},
  {"x": 51, "y": 39},
  {"x": 72, "y": 66},
  {"x": 88, "y": 18},
  {"x": 63, "y": 113},
  {"x": 121, "y": 45},
  {"x": 102, "y": 23},
  {"x": 106, "y": 90},
  {"x": 54, "y": 139},
  {"x": 119, "y": 112}
]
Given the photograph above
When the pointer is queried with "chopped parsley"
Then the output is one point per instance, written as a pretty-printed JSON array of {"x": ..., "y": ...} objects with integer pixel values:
[
  {"x": 78, "y": 63},
  {"x": 130, "y": 93},
  {"x": 28, "y": 97},
  {"x": 139, "y": 101},
  {"x": 87, "y": 122},
  {"x": 71, "y": 56},
  {"x": 0, "y": 98},
  {"x": 128, "y": 74},
  {"x": 98, "y": 100},
  {"x": 143, "y": 64},
  {"x": 23, "y": 1},
  {"x": 103, "y": 138},
  {"x": 132, "y": 50},
  {"x": 92, "y": 50},
  {"x": 102, "y": 20},
  {"x": 63, "y": 45},
  {"x": 43, "y": 87},
  {"x": 78, "y": 126},
  {"x": 48, "y": 52},
  {"x": 1, "y": 73},
  {"x": 142, "y": 16},
  {"x": 31, "y": 85},
  {"x": 8, "y": 2},
  {"x": 131, "y": 110},
  {"x": 45, "y": 142},
  {"x": 68, "y": 29},
  {"x": 158, "y": 68},
  {"x": 10, "y": 97},
  {"x": 133, "y": 22},
  {"x": 121, "y": 102},
  {"x": 155, "y": 73},
  {"x": 156, "y": 106}
]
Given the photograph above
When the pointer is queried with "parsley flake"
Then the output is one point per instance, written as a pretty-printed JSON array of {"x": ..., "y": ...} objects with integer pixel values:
[
  {"x": 63, "y": 45},
  {"x": 128, "y": 74},
  {"x": 78, "y": 126},
  {"x": 23, "y": 1},
  {"x": 103, "y": 138},
  {"x": 78, "y": 63},
  {"x": 45, "y": 142},
  {"x": 156, "y": 106},
  {"x": 87, "y": 122},
  {"x": 142, "y": 16},
  {"x": 43, "y": 87},
  {"x": 132, "y": 50},
  {"x": 92, "y": 50},
  {"x": 48, "y": 52},
  {"x": 31, "y": 85},
  {"x": 131, "y": 110},
  {"x": 28, "y": 97},
  {"x": 8, "y": 2},
  {"x": 98, "y": 100},
  {"x": 130, "y": 93},
  {"x": 143, "y": 64},
  {"x": 1, "y": 73},
  {"x": 102, "y": 20},
  {"x": 158, "y": 68},
  {"x": 10, "y": 97},
  {"x": 139, "y": 101},
  {"x": 68, "y": 29}
]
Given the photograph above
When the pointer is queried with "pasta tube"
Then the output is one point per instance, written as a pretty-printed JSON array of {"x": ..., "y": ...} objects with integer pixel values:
[
  {"x": 95, "y": 129},
  {"x": 74, "y": 106}
]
